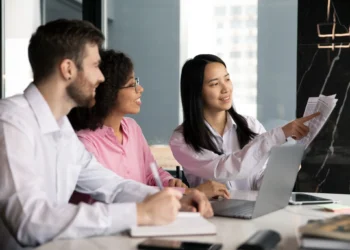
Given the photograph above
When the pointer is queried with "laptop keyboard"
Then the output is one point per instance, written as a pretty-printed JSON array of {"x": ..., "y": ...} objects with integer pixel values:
[
  {"x": 237, "y": 209},
  {"x": 245, "y": 211}
]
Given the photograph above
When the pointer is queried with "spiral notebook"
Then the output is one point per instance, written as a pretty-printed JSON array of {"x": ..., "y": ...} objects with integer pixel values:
[{"x": 186, "y": 223}]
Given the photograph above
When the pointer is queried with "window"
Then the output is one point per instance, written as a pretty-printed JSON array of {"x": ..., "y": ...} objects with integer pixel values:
[
  {"x": 251, "y": 54},
  {"x": 220, "y": 25},
  {"x": 231, "y": 42},
  {"x": 251, "y": 10},
  {"x": 236, "y": 24},
  {"x": 220, "y": 11},
  {"x": 235, "y": 54},
  {"x": 235, "y": 39},
  {"x": 251, "y": 39},
  {"x": 18, "y": 73},
  {"x": 234, "y": 67},
  {"x": 236, "y": 10},
  {"x": 17, "y": 70},
  {"x": 251, "y": 23}
]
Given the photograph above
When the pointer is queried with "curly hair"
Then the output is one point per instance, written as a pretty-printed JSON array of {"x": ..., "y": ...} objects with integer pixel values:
[{"x": 116, "y": 68}]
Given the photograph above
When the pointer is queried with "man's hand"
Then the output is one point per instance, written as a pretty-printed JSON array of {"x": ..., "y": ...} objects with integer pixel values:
[
  {"x": 176, "y": 183},
  {"x": 296, "y": 129},
  {"x": 160, "y": 208},
  {"x": 196, "y": 201},
  {"x": 213, "y": 189}
]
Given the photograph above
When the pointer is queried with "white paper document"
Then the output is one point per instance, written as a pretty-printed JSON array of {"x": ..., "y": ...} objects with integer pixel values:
[
  {"x": 322, "y": 104},
  {"x": 186, "y": 223}
]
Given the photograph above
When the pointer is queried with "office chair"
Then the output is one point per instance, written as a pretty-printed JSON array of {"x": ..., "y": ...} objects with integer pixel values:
[{"x": 181, "y": 175}]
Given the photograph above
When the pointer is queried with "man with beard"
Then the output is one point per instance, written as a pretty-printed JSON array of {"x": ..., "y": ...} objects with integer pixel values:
[{"x": 43, "y": 162}]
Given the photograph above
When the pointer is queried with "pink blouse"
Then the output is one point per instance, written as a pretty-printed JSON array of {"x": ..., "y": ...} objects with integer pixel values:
[{"x": 130, "y": 159}]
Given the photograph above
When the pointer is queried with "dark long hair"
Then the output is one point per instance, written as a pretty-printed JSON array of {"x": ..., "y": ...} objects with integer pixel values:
[
  {"x": 194, "y": 130},
  {"x": 116, "y": 68}
]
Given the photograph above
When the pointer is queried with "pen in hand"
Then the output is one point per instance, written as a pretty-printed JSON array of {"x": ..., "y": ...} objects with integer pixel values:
[
  {"x": 190, "y": 207},
  {"x": 156, "y": 175}
]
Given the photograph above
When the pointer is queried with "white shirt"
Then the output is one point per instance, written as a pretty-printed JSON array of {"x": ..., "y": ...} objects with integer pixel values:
[
  {"x": 239, "y": 169},
  {"x": 42, "y": 162}
]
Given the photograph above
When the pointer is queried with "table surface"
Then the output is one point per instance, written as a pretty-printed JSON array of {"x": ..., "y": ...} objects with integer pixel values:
[
  {"x": 164, "y": 157},
  {"x": 230, "y": 232}
]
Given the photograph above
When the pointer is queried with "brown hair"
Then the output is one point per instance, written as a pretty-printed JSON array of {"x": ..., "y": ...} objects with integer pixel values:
[{"x": 58, "y": 40}]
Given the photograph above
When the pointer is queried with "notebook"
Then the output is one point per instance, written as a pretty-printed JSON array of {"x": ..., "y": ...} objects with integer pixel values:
[
  {"x": 323, "y": 243},
  {"x": 186, "y": 223},
  {"x": 329, "y": 233}
]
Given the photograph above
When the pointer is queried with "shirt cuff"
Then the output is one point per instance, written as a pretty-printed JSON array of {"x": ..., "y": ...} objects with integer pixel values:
[
  {"x": 278, "y": 136},
  {"x": 123, "y": 216}
]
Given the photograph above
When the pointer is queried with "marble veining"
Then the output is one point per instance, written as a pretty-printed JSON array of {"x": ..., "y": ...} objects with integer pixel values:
[
  {"x": 330, "y": 71},
  {"x": 302, "y": 78},
  {"x": 331, "y": 148},
  {"x": 319, "y": 185},
  {"x": 338, "y": 19},
  {"x": 323, "y": 68}
]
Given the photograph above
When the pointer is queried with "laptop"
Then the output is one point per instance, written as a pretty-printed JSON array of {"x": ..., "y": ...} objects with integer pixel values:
[{"x": 277, "y": 185}]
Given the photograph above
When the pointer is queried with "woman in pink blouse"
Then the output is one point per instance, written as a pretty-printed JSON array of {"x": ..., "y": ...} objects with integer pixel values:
[{"x": 115, "y": 140}]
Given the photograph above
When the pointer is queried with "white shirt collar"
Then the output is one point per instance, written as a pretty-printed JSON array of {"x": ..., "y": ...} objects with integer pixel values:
[
  {"x": 230, "y": 124},
  {"x": 43, "y": 114}
]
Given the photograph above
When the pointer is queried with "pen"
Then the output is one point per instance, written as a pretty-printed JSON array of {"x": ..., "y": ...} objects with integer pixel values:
[{"x": 156, "y": 175}]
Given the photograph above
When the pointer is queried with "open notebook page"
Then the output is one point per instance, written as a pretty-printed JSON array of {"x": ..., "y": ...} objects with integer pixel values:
[{"x": 186, "y": 223}]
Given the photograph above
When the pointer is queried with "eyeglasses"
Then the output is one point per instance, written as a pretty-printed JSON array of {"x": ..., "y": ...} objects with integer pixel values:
[{"x": 135, "y": 85}]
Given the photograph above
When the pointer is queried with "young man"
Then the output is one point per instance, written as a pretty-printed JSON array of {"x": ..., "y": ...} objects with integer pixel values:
[{"x": 42, "y": 160}]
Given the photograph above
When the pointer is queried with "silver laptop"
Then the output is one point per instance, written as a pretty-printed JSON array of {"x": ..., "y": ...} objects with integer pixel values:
[{"x": 276, "y": 188}]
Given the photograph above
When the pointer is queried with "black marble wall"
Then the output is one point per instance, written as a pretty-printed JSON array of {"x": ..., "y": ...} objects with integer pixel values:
[{"x": 326, "y": 167}]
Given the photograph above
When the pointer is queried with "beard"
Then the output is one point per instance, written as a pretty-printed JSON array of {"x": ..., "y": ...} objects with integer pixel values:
[{"x": 76, "y": 92}]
